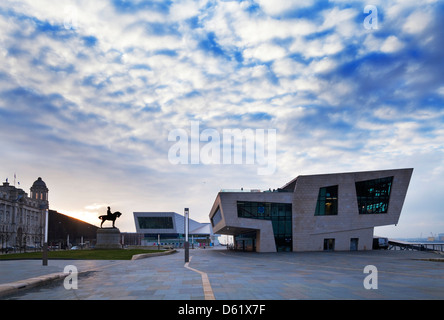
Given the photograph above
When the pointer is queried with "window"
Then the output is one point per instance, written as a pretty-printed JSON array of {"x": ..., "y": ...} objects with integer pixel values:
[
  {"x": 216, "y": 217},
  {"x": 155, "y": 222},
  {"x": 373, "y": 195},
  {"x": 327, "y": 204},
  {"x": 280, "y": 215},
  {"x": 263, "y": 210}
]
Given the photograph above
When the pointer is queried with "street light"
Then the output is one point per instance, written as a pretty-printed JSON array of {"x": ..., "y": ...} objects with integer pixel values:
[
  {"x": 186, "y": 244},
  {"x": 45, "y": 244}
]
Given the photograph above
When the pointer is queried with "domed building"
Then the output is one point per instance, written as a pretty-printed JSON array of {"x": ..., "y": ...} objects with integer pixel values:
[
  {"x": 39, "y": 192},
  {"x": 22, "y": 221},
  {"x": 22, "y": 217}
]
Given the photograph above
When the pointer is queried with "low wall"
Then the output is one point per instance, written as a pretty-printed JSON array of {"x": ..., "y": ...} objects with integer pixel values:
[{"x": 154, "y": 254}]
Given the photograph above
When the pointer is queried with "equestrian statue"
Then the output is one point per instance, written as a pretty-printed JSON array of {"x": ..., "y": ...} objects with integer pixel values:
[{"x": 110, "y": 216}]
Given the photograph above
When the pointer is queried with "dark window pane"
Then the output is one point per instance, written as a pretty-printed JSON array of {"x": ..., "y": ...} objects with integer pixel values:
[
  {"x": 373, "y": 195},
  {"x": 155, "y": 222},
  {"x": 329, "y": 244},
  {"x": 327, "y": 203},
  {"x": 280, "y": 215},
  {"x": 216, "y": 217}
]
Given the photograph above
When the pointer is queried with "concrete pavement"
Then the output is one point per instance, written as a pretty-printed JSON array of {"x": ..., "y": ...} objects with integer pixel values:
[{"x": 241, "y": 276}]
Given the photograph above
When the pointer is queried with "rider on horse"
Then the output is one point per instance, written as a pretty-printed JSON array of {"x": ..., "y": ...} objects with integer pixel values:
[
  {"x": 108, "y": 213},
  {"x": 110, "y": 216}
]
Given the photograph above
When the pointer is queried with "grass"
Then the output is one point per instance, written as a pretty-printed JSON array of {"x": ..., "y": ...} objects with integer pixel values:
[{"x": 117, "y": 254}]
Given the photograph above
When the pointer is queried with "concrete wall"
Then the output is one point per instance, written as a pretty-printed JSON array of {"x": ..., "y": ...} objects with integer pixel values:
[
  {"x": 232, "y": 224},
  {"x": 310, "y": 230}
]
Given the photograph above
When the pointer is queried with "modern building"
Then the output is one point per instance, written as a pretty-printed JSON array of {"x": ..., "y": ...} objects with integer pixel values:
[
  {"x": 312, "y": 212},
  {"x": 170, "y": 228},
  {"x": 22, "y": 217}
]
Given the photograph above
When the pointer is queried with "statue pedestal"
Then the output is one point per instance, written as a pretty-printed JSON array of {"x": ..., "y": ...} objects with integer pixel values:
[{"x": 108, "y": 238}]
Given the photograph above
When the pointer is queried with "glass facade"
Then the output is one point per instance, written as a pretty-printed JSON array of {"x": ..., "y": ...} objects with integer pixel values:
[
  {"x": 373, "y": 195},
  {"x": 176, "y": 239},
  {"x": 155, "y": 222},
  {"x": 246, "y": 241},
  {"x": 280, "y": 215},
  {"x": 216, "y": 217},
  {"x": 327, "y": 204},
  {"x": 164, "y": 238}
]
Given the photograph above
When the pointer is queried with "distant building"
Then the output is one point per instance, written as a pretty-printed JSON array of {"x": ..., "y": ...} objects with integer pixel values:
[
  {"x": 131, "y": 238},
  {"x": 22, "y": 221},
  {"x": 22, "y": 217},
  {"x": 170, "y": 227},
  {"x": 65, "y": 232},
  {"x": 314, "y": 212}
]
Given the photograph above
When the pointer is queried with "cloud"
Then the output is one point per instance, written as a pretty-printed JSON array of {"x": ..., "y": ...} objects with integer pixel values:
[
  {"x": 278, "y": 7},
  {"x": 417, "y": 22},
  {"x": 391, "y": 44},
  {"x": 265, "y": 52},
  {"x": 127, "y": 7},
  {"x": 98, "y": 86}
]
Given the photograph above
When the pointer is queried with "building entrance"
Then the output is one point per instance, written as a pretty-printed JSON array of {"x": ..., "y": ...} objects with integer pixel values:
[
  {"x": 280, "y": 215},
  {"x": 245, "y": 242}
]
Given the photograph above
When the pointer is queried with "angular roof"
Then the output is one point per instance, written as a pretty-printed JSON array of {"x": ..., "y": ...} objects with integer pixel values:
[{"x": 205, "y": 228}]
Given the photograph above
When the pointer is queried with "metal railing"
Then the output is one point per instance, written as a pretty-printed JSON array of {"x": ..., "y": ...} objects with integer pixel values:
[{"x": 416, "y": 246}]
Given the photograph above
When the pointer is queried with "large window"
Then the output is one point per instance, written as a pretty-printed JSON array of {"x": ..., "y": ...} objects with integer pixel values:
[
  {"x": 327, "y": 204},
  {"x": 216, "y": 217},
  {"x": 280, "y": 215},
  {"x": 155, "y": 222},
  {"x": 263, "y": 210},
  {"x": 373, "y": 195}
]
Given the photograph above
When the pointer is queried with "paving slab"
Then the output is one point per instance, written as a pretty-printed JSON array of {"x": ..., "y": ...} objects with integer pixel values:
[
  {"x": 244, "y": 276},
  {"x": 16, "y": 270}
]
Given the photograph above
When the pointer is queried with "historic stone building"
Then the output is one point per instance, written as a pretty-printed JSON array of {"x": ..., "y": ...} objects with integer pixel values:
[{"x": 22, "y": 217}]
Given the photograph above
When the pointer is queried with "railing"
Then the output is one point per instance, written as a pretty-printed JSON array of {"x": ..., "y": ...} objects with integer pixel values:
[
  {"x": 424, "y": 246},
  {"x": 240, "y": 190},
  {"x": 254, "y": 190}
]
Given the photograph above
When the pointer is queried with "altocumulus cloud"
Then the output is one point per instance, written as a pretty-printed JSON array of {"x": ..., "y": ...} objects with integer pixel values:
[{"x": 90, "y": 91}]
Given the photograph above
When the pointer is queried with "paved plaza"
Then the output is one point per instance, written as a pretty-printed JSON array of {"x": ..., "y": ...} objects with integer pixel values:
[{"x": 228, "y": 275}]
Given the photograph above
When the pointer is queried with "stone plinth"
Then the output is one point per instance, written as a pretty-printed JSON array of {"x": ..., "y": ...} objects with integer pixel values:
[{"x": 108, "y": 238}]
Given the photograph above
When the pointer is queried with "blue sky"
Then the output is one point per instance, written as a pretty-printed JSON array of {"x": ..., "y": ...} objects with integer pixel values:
[{"x": 89, "y": 91}]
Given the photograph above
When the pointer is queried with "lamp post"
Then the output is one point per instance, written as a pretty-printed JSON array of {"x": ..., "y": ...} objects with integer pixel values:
[
  {"x": 45, "y": 243},
  {"x": 186, "y": 244}
]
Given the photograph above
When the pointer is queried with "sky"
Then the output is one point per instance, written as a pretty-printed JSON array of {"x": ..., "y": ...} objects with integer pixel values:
[{"x": 90, "y": 92}]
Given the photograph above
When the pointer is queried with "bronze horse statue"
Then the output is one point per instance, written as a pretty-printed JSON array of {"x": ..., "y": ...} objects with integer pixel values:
[{"x": 110, "y": 216}]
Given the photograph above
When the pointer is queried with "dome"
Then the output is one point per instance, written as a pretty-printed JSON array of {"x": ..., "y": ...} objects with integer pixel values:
[{"x": 39, "y": 183}]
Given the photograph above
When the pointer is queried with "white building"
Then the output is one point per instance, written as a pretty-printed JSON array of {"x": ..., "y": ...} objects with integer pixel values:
[
  {"x": 22, "y": 218},
  {"x": 170, "y": 227}
]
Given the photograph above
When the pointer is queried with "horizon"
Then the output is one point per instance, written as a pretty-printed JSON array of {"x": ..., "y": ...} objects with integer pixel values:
[{"x": 126, "y": 103}]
